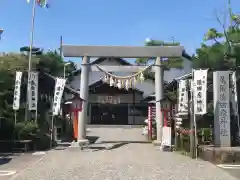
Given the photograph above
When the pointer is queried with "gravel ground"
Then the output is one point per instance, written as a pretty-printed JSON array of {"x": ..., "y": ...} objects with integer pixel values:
[{"x": 122, "y": 161}]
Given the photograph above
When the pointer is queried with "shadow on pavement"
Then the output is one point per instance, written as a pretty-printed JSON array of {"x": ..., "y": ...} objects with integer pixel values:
[
  {"x": 92, "y": 139},
  {"x": 113, "y": 144},
  {"x": 102, "y": 145},
  {"x": 6, "y": 158},
  {"x": 128, "y": 142},
  {"x": 99, "y": 148}
]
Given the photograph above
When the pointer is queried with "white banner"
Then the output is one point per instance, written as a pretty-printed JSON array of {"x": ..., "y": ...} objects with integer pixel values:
[
  {"x": 221, "y": 108},
  {"x": 59, "y": 88},
  {"x": 167, "y": 136},
  {"x": 200, "y": 91},
  {"x": 183, "y": 97},
  {"x": 33, "y": 91},
  {"x": 17, "y": 91}
]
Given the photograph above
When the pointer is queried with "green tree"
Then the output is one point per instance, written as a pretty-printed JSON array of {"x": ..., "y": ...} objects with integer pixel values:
[
  {"x": 52, "y": 63},
  {"x": 46, "y": 62},
  {"x": 169, "y": 62},
  {"x": 220, "y": 49}
]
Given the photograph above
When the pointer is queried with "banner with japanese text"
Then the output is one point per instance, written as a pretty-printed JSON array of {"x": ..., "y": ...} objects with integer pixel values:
[
  {"x": 183, "y": 97},
  {"x": 200, "y": 91},
  {"x": 58, "y": 93},
  {"x": 167, "y": 136},
  {"x": 33, "y": 91},
  {"x": 17, "y": 91}
]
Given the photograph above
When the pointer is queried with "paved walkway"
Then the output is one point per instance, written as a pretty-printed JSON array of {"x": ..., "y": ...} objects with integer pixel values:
[
  {"x": 15, "y": 163},
  {"x": 122, "y": 161}
]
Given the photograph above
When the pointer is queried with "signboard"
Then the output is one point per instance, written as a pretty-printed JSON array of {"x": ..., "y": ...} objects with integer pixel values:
[
  {"x": 200, "y": 92},
  {"x": 178, "y": 122},
  {"x": 221, "y": 108},
  {"x": 33, "y": 91},
  {"x": 109, "y": 99},
  {"x": 17, "y": 91},
  {"x": 59, "y": 88},
  {"x": 167, "y": 136},
  {"x": 183, "y": 97}
]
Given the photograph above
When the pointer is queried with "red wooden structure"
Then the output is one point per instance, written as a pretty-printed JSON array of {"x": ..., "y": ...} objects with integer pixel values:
[
  {"x": 75, "y": 107},
  {"x": 166, "y": 111},
  {"x": 150, "y": 118}
]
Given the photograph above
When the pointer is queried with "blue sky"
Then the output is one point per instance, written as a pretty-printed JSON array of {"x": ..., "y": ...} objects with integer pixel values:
[{"x": 108, "y": 22}]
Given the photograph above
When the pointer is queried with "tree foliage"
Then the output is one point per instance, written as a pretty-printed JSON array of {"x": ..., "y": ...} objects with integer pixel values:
[
  {"x": 220, "y": 49},
  {"x": 169, "y": 62},
  {"x": 47, "y": 62}
]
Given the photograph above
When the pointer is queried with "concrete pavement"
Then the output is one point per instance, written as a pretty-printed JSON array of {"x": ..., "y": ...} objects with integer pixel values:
[
  {"x": 233, "y": 169},
  {"x": 127, "y": 162},
  {"x": 16, "y": 163},
  {"x": 119, "y": 154}
]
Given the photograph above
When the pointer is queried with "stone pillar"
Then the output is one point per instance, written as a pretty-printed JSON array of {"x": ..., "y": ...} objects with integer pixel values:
[
  {"x": 158, "y": 97},
  {"x": 84, "y": 82},
  {"x": 222, "y": 133}
]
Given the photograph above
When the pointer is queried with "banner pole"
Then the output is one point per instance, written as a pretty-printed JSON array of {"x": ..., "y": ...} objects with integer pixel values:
[
  {"x": 194, "y": 118},
  {"x": 36, "y": 94},
  {"x": 52, "y": 133},
  {"x": 15, "y": 117}
]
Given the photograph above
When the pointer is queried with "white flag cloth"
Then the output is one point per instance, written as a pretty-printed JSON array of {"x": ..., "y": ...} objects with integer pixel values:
[
  {"x": 33, "y": 91},
  {"x": 17, "y": 90},
  {"x": 59, "y": 88},
  {"x": 183, "y": 97},
  {"x": 167, "y": 136},
  {"x": 200, "y": 91}
]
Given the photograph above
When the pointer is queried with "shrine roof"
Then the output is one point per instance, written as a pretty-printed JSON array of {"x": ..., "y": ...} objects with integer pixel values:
[
  {"x": 67, "y": 87},
  {"x": 121, "y": 61},
  {"x": 100, "y": 82},
  {"x": 186, "y": 76}
]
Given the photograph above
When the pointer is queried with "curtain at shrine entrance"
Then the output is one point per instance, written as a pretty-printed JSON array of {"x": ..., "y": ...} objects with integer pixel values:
[{"x": 75, "y": 125}]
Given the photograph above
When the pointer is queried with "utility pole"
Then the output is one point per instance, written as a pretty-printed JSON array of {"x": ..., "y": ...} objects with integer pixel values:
[
  {"x": 60, "y": 49},
  {"x": 173, "y": 39},
  {"x": 30, "y": 58},
  {"x": 230, "y": 12},
  {"x": 1, "y": 31}
]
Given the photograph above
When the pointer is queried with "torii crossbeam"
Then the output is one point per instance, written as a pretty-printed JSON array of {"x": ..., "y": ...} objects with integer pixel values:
[{"x": 86, "y": 52}]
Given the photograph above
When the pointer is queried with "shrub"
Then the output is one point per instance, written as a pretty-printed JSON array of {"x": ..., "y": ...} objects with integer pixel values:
[
  {"x": 26, "y": 130},
  {"x": 42, "y": 141},
  {"x": 6, "y": 129}
]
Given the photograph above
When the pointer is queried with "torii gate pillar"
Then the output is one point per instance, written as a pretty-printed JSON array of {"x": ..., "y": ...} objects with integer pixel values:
[
  {"x": 127, "y": 52},
  {"x": 82, "y": 117},
  {"x": 158, "y": 98}
]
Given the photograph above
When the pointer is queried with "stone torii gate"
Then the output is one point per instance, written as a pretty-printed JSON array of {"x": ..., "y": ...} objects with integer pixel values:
[{"x": 86, "y": 52}]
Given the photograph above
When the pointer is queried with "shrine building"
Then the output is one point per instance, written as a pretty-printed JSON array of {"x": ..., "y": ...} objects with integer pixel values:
[{"x": 109, "y": 105}]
